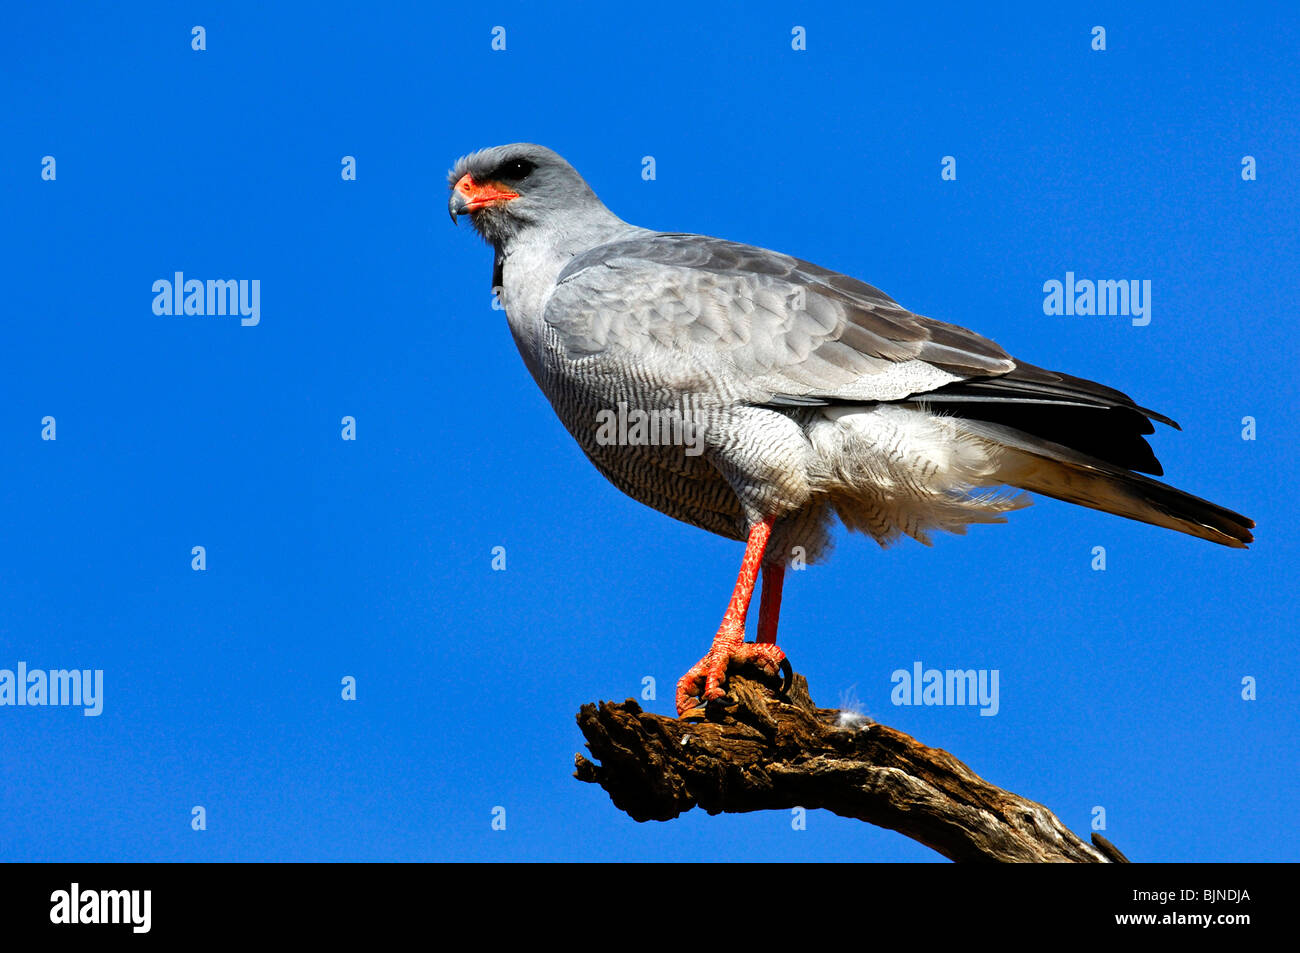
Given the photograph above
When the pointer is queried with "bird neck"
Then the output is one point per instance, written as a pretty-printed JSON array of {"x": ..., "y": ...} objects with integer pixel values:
[
  {"x": 528, "y": 262},
  {"x": 578, "y": 231}
]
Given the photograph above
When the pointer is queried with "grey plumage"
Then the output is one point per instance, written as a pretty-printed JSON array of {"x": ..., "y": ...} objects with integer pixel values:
[{"x": 818, "y": 395}]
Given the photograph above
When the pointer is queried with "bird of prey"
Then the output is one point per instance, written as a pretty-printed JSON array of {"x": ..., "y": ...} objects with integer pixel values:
[{"x": 797, "y": 395}]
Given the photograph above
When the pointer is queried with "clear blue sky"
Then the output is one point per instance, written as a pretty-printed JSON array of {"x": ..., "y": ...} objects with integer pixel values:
[{"x": 372, "y": 558}]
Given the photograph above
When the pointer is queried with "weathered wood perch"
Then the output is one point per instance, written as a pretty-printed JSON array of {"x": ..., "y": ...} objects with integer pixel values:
[{"x": 767, "y": 753}]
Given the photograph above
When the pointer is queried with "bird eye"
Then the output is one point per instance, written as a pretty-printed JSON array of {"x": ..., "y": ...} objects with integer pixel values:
[{"x": 515, "y": 171}]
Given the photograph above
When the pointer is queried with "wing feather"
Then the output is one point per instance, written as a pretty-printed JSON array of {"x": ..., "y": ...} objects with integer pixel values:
[
  {"x": 782, "y": 332},
  {"x": 766, "y": 322}
]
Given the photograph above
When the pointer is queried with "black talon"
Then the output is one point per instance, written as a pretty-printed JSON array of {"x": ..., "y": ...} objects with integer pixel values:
[{"x": 787, "y": 677}]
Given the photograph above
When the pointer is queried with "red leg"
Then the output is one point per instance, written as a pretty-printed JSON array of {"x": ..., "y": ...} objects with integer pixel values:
[
  {"x": 769, "y": 610},
  {"x": 729, "y": 644}
]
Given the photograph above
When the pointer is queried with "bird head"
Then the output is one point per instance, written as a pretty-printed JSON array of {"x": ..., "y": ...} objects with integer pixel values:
[{"x": 508, "y": 190}]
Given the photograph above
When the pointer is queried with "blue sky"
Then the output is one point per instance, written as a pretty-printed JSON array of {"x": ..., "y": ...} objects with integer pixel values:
[{"x": 373, "y": 558}]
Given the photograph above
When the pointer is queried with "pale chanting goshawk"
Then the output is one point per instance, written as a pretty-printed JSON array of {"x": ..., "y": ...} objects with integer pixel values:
[{"x": 799, "y": 394}]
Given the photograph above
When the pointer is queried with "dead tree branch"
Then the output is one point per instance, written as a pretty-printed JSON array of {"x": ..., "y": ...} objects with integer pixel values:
[{"x": 767, "y": 753}]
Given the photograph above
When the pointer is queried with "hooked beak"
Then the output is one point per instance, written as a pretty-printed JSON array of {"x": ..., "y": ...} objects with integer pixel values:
[{"x": 470, "y": 196}]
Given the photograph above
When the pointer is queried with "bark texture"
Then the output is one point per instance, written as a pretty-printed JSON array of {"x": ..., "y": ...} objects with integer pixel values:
[{"x": 761, "y": 752}]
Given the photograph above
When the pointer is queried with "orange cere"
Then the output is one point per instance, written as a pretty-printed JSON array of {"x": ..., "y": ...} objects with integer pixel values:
[{"x": 478, "y": 195}]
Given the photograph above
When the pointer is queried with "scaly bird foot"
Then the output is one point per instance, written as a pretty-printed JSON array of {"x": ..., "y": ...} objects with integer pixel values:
[{"x": 710, "y": 672}]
